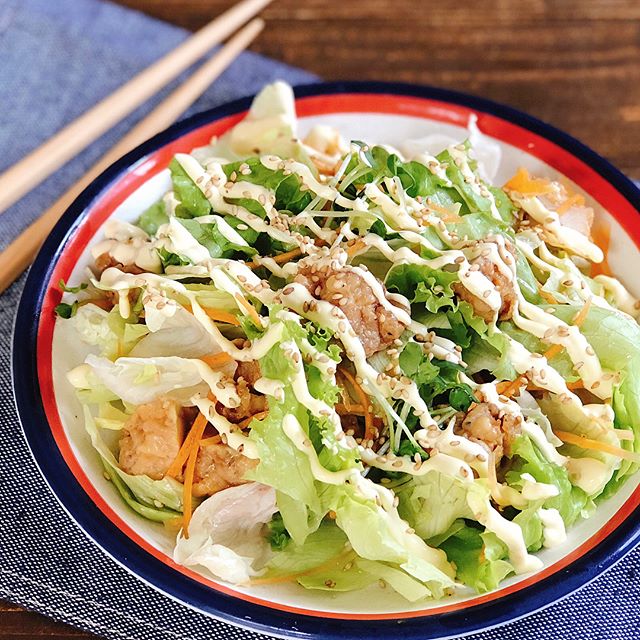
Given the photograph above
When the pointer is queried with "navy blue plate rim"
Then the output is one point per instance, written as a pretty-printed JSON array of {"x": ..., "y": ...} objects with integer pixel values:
[{"x": 197, "y": 596}]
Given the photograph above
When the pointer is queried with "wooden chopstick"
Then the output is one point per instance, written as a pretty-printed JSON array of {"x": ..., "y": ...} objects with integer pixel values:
[
  {"x": 69, "y": 141},
  {"x": 21, "y": 252}
]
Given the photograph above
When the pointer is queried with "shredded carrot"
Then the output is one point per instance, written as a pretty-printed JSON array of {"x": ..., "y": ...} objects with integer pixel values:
[
  {"x": 581, "y": 316},
  {"x": 248, "y": 307},
  {"x": 257, "y": 416},
  {"x": 187, "y": 487},
  {"x": 601, "y": 235},
  {"x": 348, "y": 409},
  {"x": 218, "y": 316},
  {"x": 212, "y": 440},
  {"x": 511, "y": 388},
  {"x": 217, "y": 360},
  {"x": 176, "y": 466},
  {"x": 595, "y": 445},
  {"x": 573, "y": 200},
  {"x": 369, "y": 431},
  {"x": 523, "y": 183},
  {"x": 553, "y": 351},
  {"x": 548, "y": 297},
  {"x": 287, "y": 256}
]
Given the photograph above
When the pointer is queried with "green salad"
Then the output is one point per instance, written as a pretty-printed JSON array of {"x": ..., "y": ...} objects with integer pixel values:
[{"x": 343, "y": 366}]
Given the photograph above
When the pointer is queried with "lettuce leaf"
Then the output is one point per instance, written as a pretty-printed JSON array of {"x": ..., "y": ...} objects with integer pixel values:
[
  {"x": 475, "y": 201},
  {"x": 153, "y": 217},
  {"x": 435, "y": 378},
  {"x": 141, "y": 380},
  {"x": 479, "y": 558},
  {"x": 225, "y": 533},
  {"x": 289, "y": 194},
  {"x": 286, "y": 469},
  {"x": 193, "y": 202},
  {"x": 571, "y": 501},
  {"x": 107, "y": 330},
  {"x": 433, "y": 502},
  {"x": 218, "y": 246}
]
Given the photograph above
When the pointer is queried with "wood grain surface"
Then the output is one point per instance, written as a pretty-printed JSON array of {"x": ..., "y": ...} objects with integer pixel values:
[{"x": 573, "y": 63}]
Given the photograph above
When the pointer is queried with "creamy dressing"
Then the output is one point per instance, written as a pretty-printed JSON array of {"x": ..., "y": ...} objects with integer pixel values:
[
  {"x": 235, "y": 439},
  {"x": 554, "y": 532},
  {"x": 623, "y": 300},
  {"x": 533, "y": 490},
  {"x": 556, "y": 233},
  {"x": 128, "y": 245},
  {"x": 588, "y": 474}
]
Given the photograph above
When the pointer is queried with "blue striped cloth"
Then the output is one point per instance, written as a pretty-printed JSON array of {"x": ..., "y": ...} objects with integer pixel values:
[{"x": 57, "y": 58}]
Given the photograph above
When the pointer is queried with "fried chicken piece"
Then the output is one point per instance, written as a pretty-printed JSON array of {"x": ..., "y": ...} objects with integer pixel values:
[
  {"x": 376, "y": 327},
  {"x": 486, "y": 424},
  {"x": 106, "y": 260},
  {"x": 218, "y": 467},
  {"x": 501, "y": 282},
  {"x": 152, "y": 437},
  {"x": 250, "y": 404}
]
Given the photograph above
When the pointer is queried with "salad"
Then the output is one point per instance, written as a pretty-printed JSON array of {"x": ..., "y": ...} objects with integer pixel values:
[{"x": 342, "y": 365}]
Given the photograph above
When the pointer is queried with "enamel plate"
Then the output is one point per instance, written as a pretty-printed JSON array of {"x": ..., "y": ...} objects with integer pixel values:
[{"x": 50, "y": 414}]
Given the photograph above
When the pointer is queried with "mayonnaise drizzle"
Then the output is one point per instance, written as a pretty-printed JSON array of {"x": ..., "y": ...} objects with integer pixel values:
[{"x": 555, "y": 232}]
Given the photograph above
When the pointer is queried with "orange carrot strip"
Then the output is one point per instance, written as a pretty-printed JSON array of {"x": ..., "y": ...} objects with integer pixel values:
[
  {"x": 216, "y": 360},
  {"x": 345, "y": 409},
  {"x": 523, "y": 183},
  {"x": 212, "y": 440},
  {"x": 248, "y": 307},
  {"x": 553, "y": 351},
  {"x": 369, "y": 431},
  {"x": 176, "y": 466},
  {"x": 548, "y": 297},
  {"x": 581, "y": 316},
  {"x": 596, "y": 445},
  {"x": 287, "y": 256},
  {"x": 187, "y": 487},
  {"x": 218, "y": 316},
  {"x": 257, "y": 416},
  {"x": 511, "y": 388},
  {"x": 575, "y": 199}
]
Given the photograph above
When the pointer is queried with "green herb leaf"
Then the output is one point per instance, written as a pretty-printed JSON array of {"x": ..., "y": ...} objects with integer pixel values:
[
  {"x": 63, "y": 287},
  {"x": 65, "y": 310}
]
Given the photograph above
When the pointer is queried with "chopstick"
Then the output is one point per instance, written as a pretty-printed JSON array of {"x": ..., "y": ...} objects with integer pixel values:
[
  {"x": 21, "y": 252},
  {"x": 69, "y": 141}
]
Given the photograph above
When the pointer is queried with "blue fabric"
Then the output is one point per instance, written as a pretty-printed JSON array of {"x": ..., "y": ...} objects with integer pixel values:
[{"x": 58, "y": 57}]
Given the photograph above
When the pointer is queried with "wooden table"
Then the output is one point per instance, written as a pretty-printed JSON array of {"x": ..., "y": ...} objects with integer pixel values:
[{"x": 573, "y": 63}]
